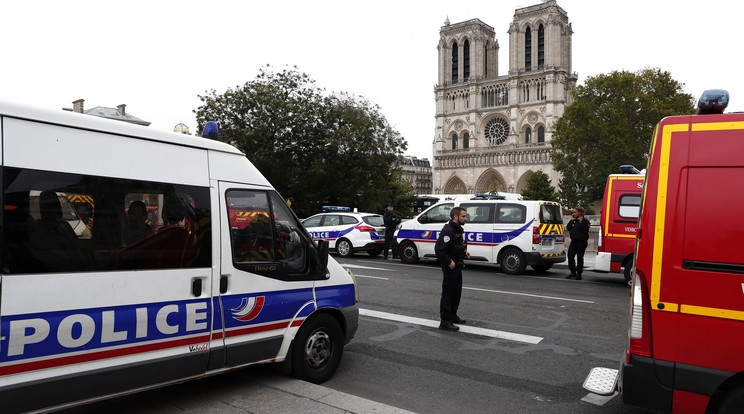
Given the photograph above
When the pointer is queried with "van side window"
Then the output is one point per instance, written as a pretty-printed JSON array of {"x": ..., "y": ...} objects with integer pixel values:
[
  {"x": 60, "y": 222},
  {"x": 479, "y": 213},
  {"x": 511, "y": 213},
  {"x": 437, "y": 214},
  {"x": 270, "y": 241},
  {"x": 629, "y": 206}
]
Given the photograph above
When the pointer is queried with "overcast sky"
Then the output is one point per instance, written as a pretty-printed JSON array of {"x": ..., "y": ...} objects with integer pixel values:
[{"x": 157, "y": 56}]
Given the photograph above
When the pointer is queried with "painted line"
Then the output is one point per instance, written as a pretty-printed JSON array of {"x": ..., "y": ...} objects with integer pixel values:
[
  {"x": 362, "y": 267},
  {"x": 528, "y": 294},
  {"x": 371, "y": 277},
  {"x": 598, "y": 399},
  {"x": 463, "y": 328}
]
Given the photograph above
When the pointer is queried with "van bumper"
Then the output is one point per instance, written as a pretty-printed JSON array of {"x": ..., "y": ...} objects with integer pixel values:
[
  {"x": 351, "y": 318},
  {"x": 535, "y": 258}
]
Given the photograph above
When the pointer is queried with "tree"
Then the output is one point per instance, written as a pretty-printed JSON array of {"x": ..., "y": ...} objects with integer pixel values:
[
  {"x": 539, "y": 188},
  {"x": 318, "y": 148},
  {"x": 611, "y": 123}
]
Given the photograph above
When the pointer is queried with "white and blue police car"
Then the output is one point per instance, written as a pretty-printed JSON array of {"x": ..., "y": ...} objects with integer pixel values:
[{"x": 346, "y": 231}]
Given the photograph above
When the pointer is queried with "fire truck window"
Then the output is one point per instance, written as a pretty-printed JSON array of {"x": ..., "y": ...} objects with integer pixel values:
[
  {"x": 64, "y": 222},
  {"x": 629, "y": 206}
]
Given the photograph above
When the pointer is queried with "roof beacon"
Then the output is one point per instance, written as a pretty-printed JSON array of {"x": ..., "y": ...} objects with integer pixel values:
[
  {"x": 336, "y": 208},
  {"x": 629, "y": 169},
  {"x": 210, "y": 130},
  {"x": 713, "y": 101}
]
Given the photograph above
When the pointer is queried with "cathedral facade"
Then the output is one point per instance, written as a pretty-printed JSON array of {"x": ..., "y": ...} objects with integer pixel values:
[{"x": 496, "y": 130}]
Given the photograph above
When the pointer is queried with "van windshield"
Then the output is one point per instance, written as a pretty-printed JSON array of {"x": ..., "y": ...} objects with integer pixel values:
[{"x": 550, "y": 214}]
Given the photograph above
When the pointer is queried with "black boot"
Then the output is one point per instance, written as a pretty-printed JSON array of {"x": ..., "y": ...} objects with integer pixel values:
[
  {"x": 448, "y": 326},
  {"x": 458, "y": 320},
  {"x": 578, "y": 276},
  {"x": 571, "y": 276}
]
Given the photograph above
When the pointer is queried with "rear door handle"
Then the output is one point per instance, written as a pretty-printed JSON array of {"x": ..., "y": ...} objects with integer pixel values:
[
  {"x": 223, "y": 284},
  {"x": 196, "y": 287}
]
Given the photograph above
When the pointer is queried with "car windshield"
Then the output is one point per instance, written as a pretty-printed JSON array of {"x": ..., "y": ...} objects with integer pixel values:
[{"x": 375, "y": 221}]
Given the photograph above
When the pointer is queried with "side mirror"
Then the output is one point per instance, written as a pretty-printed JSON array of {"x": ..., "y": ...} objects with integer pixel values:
[
  {"x": 322, "y": 254},
  {"x": 423, "y": 219}
]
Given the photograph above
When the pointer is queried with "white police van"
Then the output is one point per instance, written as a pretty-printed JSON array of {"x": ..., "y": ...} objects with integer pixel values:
[
  {"x": 512, "y": 233},
  {"x": 181, "y": 291}
]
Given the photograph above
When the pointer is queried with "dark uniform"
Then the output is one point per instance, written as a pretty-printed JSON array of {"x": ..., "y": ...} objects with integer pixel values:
[
  {"x": 579, "y": 231},
  {"x": 391, "y": 221},
  {"x": 451, "y": 246}
]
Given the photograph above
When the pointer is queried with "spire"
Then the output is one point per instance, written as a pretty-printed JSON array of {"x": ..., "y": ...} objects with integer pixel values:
[{"x": 447, "y": 22}]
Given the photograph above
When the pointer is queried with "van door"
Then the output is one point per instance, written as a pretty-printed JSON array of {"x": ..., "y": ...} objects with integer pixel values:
[
  {"x": 266, "y": 281},
  {"x": 479, "y": 230},
  {"x": 428, "y": 227}
]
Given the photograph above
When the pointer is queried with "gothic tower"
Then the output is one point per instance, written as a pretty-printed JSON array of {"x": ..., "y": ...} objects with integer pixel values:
[{"x": 492, "y": 128}]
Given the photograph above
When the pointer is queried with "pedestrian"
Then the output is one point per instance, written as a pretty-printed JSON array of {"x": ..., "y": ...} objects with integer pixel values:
[
  {"x": 578, "y": 228},
  {"x": 451, "y": 250},
  {"x": 391, "y": 221}
]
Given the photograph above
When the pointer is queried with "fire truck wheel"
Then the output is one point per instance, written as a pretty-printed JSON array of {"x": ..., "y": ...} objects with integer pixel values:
[
  {"x": 512, "y": 262},
  {"x": 317, "y": 349},
  {"x": 344, "y": 248},
  {"x": 627, "y": 268},
  {"x": 733, "y": 401}
]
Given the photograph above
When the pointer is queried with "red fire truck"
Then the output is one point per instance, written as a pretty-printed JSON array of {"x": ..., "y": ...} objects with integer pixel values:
[
  {"x": 685, "y": 351},
  {"x": 618, "y": 220}
]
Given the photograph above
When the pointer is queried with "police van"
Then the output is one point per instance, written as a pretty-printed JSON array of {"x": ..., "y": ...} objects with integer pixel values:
[
  {"x": 512, "y": 233},
  {"x": 177, "y": 291}
]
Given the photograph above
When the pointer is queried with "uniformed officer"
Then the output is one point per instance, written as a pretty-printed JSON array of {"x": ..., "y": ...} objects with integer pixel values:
[{"x": 451, "y": 250}]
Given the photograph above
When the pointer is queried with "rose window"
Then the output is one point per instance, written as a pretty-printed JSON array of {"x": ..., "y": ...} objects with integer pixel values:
[{"x": 497, "y": 130}]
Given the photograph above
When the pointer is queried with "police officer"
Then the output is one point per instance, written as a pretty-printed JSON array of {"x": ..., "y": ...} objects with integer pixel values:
[
  {"x": 578, "y": 228},
  {"x": 451, "y": 250},
  {"x": 391, "y": 221}
]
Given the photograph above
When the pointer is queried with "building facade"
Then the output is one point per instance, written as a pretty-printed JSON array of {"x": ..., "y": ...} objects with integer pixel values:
[
  {"x": 417, "y": 172},
  {"x": 118, "y": 114},
  {"x": 497, "y": 129}
]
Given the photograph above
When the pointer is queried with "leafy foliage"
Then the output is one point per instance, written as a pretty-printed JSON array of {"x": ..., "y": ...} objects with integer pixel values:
[
  {"x": 611, "y": 123},
  {"x": 539, "y": 188},
  {"x": 320, "y": 149}
]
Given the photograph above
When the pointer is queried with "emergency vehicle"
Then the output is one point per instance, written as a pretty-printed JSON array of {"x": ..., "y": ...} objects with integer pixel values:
[
  {"x": 686, "y": 335},
  {"x": 618, "y": 219},
  {"x": 348, "y": 232},
  {"x": 187, "y": 295},
  {"x": 512, "y": 233}
]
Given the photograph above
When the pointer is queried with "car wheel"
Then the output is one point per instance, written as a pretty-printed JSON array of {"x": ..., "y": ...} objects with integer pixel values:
[
  {"x": 344, "y": 248},
  {"x": 374, "y": 252},
  {"x": 317, "y": 349},
  {"x": 628, "y": 268},
  {"x": 512, "y": 262},
  {"x": 542, "y": 267},
  {"x": 408, "y": 253}
]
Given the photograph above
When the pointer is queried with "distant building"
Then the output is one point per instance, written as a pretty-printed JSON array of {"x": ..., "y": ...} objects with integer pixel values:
[
  {"x": 119, "y": 113},
  {"x": 418, "y": 173}
]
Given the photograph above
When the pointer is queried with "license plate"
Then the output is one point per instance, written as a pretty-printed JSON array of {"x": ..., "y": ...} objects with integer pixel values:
[{"x": 547, "y": 242}]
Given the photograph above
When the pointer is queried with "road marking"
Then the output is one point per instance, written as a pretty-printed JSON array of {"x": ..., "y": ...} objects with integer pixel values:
[
  {"x": 598, "y": 399},
  {"x": 463, "y": 328},
  {"x": 362, "y": 267},
  {"x": 528, "y": 294},
  {"x": 371, "y": 277}
]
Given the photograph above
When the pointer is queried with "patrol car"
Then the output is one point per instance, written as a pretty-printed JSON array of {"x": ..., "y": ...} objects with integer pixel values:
[
  {"x": 193, "y": 293},
  {"x": 348, "y": 232},
  {"x": 512, "y": 233}
]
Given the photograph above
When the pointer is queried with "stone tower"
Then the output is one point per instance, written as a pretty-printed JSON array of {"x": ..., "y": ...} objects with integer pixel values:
[{"x": 498, "y": 128}]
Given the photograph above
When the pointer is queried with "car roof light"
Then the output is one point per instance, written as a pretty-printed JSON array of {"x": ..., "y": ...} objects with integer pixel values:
[
  {"x": 629, "y": 169},
  {"x": 713, "y": 101},
  {"x": 336, "y": 208},
  {"x": 210, "y": 130}
]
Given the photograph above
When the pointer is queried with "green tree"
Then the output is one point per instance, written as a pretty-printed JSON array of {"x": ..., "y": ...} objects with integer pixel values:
[
  {"x": 611, "y": 123},
  {"x": 539, "y": 187},
  {"x": 318, "y": 148}
]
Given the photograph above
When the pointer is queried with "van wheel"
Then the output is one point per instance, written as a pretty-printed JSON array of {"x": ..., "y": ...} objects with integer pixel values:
[
  {"x": 374, "y": 252},
  {"x": 408, "y": 253},
  {"x": 628, "y": 268},
  {"x": 512, "y": 262},
  {"x": 344, "y": 248},
  {"x": 317, "y": 349},
  {"x": 542, "y": 267}
]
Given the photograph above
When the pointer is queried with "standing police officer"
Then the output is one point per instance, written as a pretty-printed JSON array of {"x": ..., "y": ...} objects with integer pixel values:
[
  {"x": 451, "y": 250},
  {"x": 391, "y": 221}
]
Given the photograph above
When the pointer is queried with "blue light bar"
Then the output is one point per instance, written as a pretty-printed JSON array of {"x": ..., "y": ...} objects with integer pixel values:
[
  {"x": 488, "y": 196},
  {"x": 336, "y": 208},
  {"x": 210, "y": 130}
]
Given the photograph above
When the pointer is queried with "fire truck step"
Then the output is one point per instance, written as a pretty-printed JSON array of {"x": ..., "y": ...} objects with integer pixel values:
[{"x": 602, "y": 381}]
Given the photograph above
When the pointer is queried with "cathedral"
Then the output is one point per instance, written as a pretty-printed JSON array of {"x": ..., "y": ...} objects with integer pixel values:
[{"x": 496, "y": 130}]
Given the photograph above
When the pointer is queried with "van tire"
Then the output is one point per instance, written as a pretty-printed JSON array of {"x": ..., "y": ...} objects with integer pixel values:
[
  {"x": 628, "y": 268},
  {"x": 542, "y": 267},
  {"x": 732, "y": 402},
  {"x": 317, "y": 349},
  {"x": 512, "y": 262},
  {"x": 408, "y": 253},
  {"x": 344, "y": 248}
]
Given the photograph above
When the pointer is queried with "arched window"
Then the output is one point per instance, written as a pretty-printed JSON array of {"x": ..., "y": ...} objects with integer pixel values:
[
  {"x": 454, "y": 141},
  {"x": 541, "y": 47},
  {"x": 527, "y": 135},
  {"x": 527, "y": 49},
  {"x": 466, "y": 141},
  {"x": 454, "y": 62},
  {"x": 541, "y": 135},
  {"x": 466, "y": 60},
  {"x": 485, "y": 61}
]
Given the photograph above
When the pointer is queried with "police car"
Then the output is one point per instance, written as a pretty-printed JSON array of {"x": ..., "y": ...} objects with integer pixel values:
[
  {"x": 346, "y": 231},
  {"x": 512, "y": 233}
]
